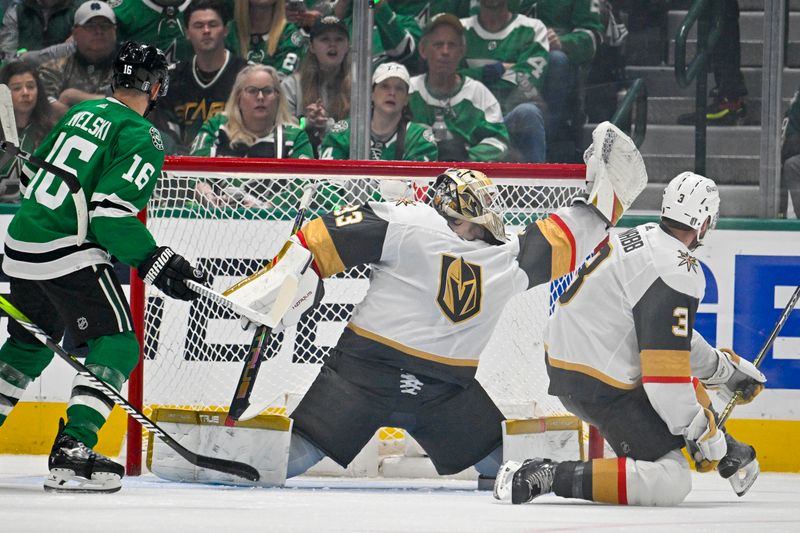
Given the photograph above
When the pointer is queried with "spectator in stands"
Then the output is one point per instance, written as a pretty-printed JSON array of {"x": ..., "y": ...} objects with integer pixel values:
[
  {"x": 465, "y": 117},
  {"x": 256, "y": 123},
  {"x": 37, "y": 30},
  {"x": 305, "y": 13},
  {"x": 34, "y": 118},
  {"x": 394, "y": 36},
  {"x": 790, "y": 158},
  {"x": 320, "y": 91},
  {"x": 157, "y": 22},
  {"x": 85, "y": 74},
  {"x": 260, "y": 33},
  {"x": 508, "y": 54},
  {"x": 728, "y": 106},
  {"x": 574, "y": 32},
  {"x": 199, "y": 88},
  {"x": 422, "y": 11},
  {"x": 393, "y": 136}
]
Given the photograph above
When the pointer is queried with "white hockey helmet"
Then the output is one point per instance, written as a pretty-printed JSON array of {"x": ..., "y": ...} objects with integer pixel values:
[
  {"x": 469, "y": 195},
  {"x": 690, "y": 199}
]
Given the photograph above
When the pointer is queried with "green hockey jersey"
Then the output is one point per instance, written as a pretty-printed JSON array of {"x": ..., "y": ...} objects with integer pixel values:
[
  {"x": 147, "y": 22},
  {"x": 522, "y": 44},
  {"x": 418, "y": 144},
  {"x": 471, "y": 116},
  {"x": 117, "y": 157},
  {"x": 286, "y": 58},
  {"x": 577, "y": 23}
]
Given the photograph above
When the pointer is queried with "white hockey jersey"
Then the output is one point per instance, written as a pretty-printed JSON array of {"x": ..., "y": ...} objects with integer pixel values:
[
  {"x": 434, "y": 298},
  {"x": 627, "y": 321}
]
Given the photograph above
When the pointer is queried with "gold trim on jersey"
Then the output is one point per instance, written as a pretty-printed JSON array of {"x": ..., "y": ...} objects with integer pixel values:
[
  {"x": 665, "y": 363},
  {"x": 319, "y": 241},
  {"x": 605, "y": 480},
  {"x": 450, "y": 361},
  {"x": 591, "y": 372},
  {"x": 561, "y": 247}
]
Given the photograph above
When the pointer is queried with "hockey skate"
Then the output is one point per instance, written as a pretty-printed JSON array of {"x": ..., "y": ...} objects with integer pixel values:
[
  {"x": 739, "y": 466},
  {"x": 76, "y": 468},
  {"x": 522, "y": 482}
]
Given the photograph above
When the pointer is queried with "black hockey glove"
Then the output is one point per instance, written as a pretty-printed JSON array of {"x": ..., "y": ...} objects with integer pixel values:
[{"x": 167, "y": 270}]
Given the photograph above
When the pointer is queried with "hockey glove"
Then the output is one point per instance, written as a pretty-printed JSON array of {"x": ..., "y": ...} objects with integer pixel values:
[
  {"x": 492, "y": 72},
  {"x": 167, "y": 270},
  {"x": 735, "y": 374},
  {"x": 704, "y": 441}
]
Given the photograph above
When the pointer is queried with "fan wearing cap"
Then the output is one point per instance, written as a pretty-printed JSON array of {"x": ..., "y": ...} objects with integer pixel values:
[
  {"x": 319, "y": 92},
  {"x": 393, "y": 136},
  {"x": 465, "y": 116},
  {"x": 37, "y": 30},
  {"x": 85, "y": 74}
]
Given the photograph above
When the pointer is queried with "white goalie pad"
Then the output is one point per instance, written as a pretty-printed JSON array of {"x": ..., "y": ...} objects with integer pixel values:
[
  {"x": 615, "y": 172},
  {"x": 272, "y": 290},
  {"x": 262, "y": 442},
  {"x": 560, "y": 438}
]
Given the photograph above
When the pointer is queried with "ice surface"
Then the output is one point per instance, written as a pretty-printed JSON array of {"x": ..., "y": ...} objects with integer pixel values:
[{"x": 344, "y": 505}]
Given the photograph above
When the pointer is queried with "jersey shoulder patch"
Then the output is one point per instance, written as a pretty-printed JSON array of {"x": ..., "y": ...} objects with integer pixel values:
[
  {"x": 155, "y": 136},
  {"x": 340, "y": 126},
  {"x": 676, "y": 265}
]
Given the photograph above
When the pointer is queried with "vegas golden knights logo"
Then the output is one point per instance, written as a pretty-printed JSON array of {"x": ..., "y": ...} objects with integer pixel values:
[{"x": 460, "y": 288}]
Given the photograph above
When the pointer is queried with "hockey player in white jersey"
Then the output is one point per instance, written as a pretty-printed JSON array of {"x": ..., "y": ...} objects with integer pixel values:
[
  {"x": 622, "y": 355},
  {"x": 440, "y": 278}
]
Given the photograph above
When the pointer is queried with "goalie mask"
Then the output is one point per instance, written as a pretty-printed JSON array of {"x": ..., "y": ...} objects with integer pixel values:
[
  {"x": 469, "y": 195},
  {"x": 690, "y": 199}
]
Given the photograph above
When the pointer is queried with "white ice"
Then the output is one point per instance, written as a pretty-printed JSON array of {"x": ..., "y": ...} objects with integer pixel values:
[{"x": 148, "y": 504}]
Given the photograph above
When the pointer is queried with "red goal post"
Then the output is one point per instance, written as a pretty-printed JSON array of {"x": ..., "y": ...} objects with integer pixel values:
[{"x": 230, "y": 215}]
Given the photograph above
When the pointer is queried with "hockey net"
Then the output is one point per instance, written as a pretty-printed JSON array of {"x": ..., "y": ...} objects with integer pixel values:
[{"x": 230, "y": 217}]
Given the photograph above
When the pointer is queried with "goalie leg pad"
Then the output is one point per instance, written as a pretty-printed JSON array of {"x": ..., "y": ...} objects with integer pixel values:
[
  {"x": 615, "y": 172},
  {"x": 262, "y": 442}
]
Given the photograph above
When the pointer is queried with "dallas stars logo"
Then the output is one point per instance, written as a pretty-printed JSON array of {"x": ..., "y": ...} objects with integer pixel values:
[{"x": 688, "y": 261}]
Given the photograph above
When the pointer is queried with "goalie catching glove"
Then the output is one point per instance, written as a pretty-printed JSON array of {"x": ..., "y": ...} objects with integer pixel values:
[
  {"x": 735, "y": 374},
  {"x": 615, "y": 172},
  {"x": 284, "y": 291},
  {"x": 167, "y": 270},
  {"x": 704, "y": 441}
]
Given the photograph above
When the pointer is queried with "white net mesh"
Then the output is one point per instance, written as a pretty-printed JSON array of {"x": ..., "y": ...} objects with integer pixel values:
[{"x": 194, "y": 351}]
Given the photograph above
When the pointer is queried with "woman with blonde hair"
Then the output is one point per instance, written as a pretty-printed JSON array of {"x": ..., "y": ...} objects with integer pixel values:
[
  {"x": 256, "y": 123},
  {"x": 260, "y": 33},
  {"x": 320, "y": 91}
]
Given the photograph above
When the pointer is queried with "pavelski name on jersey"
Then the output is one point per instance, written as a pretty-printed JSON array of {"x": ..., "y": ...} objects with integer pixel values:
[{"x": 95, "y": 126}]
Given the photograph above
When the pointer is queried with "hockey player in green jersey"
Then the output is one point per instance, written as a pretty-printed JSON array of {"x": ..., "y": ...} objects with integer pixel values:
[
  {"x": 62, "y": 283},
  {"x": 393, "y": 137},
  {"x": 158, "y": 22}
]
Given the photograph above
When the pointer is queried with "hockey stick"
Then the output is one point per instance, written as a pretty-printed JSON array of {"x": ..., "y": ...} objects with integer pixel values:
[
  {"x": 222, "y": 465},
  {"x": 272, "y": 319},
  {"x": 10, "y": 145},
  {"x": 742, "y": 480},
  {"x": 252, "y": 363}
]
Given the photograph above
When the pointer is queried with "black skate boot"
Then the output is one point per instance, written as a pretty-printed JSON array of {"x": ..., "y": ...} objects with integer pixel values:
[
  {"x": 739, "y": 466},
  {"x": 76, "y": 468},
  {"x": 739, "y": 455},
  {"x": 526, "y": 481}
]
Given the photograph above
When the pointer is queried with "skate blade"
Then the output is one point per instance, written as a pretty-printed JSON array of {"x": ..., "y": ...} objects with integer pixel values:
[
  {"x": 744, "y": 478},
  {"x": 502, "y": 484},
  {"x": 61, "y": 480}
]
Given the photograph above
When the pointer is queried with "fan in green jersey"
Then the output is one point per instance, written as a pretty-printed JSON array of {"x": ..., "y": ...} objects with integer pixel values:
[
  {"x": 157, "y": 22},
  {"x": 116, "y": 155},
  {"x": 393, "y": 136}
]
